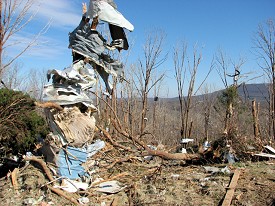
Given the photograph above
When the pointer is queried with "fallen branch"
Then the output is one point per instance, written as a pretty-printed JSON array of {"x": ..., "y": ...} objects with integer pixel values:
[
  {"x": 43, "y": 165},
  {"x": 50, "y": 177},
  {"x": 108, "y": 136},
  {"x": 159, "y": 153},
  {"x": 61, "y": 193},
  {"x": 173, "y": 156},
  {"x": 49, "y": 105},
  {"x": 14, "y": 179}
]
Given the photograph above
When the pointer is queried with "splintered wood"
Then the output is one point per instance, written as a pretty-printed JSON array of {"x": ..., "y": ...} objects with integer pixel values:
[
  {"x": 230, "y": 192},
  {"x": 14, "y": 178}
]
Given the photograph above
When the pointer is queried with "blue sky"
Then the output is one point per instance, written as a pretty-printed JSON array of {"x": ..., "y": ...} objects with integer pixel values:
[{"x": 211, "y": 24}]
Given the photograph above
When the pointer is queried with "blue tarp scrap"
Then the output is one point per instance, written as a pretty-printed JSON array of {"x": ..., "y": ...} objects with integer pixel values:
[
  {"x": 92, "y": 149},
  {"x": 68, "y": 165}
]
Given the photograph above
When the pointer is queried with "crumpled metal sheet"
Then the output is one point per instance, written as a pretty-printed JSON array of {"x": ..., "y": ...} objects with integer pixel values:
[
  {"x": 90, "y": 44},
  {"x": 65, "y": 95},
  {"x": 75, "y": 124},
  {"x": 80, "y": 73},
  {"x": 68, "y": 86},
  {"x": 106, "y": 11}
]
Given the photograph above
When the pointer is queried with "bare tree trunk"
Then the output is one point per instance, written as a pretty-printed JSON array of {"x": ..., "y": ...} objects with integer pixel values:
[
  {"x": 1, "y": 39},
  {"x": 144, "y": 112},
  {"x": 181, "y": 73},
  {"x": 228, "y": 115},
  {"x": 255, "y": 114},
  {"x": 144, "y": 103},
  {"x": 265, "y": 50},
  {"x": 154, "y": 117},
  {"x": 273, "y": 100},
  {"x": 153, "y": 59},
  {"x": 206, "y": 123},
  {"x": 270, "y": 110}
]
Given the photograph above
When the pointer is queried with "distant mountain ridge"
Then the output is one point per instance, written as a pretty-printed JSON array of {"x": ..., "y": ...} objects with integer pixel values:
[{"x": 259, "y": 92}]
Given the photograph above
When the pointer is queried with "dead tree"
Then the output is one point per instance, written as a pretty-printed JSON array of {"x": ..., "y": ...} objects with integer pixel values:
[
  {"x": 1, "y": 37},
  {"x": 15, "y": 15},
  {"x": 156, "y": 100},
  {"x": 230, "y": 94},
  {"x": 153, "y": 59},
  {"x": 185, "y": 73},
  {"x": 255, "y": 115},
  {"x": 265, "y": 51},
  {"x": 209, "y": 100}
]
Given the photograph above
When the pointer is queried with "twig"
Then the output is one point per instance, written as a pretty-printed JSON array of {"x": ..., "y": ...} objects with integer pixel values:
[
  {"x": 66, "y": 150},
  {"x": 159, "y": 153},
  {"x": 119, "y": 161},
  {"x": 108, "y": 136},
  {"x": 111, "y": 108},
  {"x": 67, "y": 162},
  {"x": 114, "y": 202},
  {"x": 52, "y": 181}
]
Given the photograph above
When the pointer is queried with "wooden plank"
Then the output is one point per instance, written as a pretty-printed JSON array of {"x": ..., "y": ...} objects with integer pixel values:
[
  {"x": 265, "y": 155},
  {"x": 270, "y": 149},
  {"x": 230, "y": 192}
]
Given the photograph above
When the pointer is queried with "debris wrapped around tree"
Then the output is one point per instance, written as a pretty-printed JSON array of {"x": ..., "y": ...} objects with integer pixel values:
[
  {"x": 74, "y": 123},
  {"x": 68, "y": 101},
  {"x": 83, "y": 158}
]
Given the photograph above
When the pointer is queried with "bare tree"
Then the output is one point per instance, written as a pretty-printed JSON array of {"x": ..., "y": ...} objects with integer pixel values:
[
  {"x": 230, "y": 94},
  {"x": 265, "y": 50},
  {"x": 154, "y": 57},
  {"x": 14, "y": 17},
  {"x": 156, "y": 100},
  {"x": 185, "y": 74},
  {"x": 36, "y": 80},
  {"x": 209, "y": 100}
]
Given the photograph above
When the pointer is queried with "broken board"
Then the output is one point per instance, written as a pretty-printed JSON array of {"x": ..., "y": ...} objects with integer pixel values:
[{"x": 230, "y": 192}]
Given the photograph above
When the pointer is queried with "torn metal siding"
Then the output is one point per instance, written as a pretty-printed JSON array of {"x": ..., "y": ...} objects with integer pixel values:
[{"x": 106, "y": 11}]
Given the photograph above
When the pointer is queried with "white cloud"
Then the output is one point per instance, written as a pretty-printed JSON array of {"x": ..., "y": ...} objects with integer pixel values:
[
  {"x": 63, "y": 14},
  {"x": 51, "y": 48},
  {"x": 60, "y": 12},
  {"x": 46, "y": 47}
]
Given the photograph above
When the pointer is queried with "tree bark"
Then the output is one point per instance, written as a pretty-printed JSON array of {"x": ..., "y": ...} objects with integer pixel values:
[
  {"x": 1, "y": 38},
  {"x": 255, "y": 113}
]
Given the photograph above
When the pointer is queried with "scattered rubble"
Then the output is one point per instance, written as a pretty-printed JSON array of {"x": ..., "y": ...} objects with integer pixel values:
[{"x": 86, "y": 164}]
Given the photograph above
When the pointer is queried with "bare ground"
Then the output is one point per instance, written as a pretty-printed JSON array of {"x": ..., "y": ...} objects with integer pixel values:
[{"x": 155, "y": 183}]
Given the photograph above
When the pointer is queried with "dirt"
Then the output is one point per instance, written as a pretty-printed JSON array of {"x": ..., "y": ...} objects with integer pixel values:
[{"x": 155, "y": 183}]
